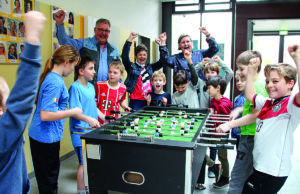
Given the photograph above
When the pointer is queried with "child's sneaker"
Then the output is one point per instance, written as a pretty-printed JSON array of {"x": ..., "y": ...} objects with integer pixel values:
[
  {"x": 200, "y": 186},
  {"x": 216, "y": 169},
  {"x": 211, "y": 174},
  {"x": 223, "y": 182}
]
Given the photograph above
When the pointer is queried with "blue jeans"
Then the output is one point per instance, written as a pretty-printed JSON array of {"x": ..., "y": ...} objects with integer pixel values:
[{"x": 137, "y": 104}]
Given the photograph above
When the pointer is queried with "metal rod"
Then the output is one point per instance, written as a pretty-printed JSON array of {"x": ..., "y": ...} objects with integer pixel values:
[
  {"x": 225, "y": 146},
  {"x": 219, "y": 115},
  {"x": 213, "y": 133}
]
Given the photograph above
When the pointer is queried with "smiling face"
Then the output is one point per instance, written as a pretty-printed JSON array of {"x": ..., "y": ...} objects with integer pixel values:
[
  {"x": 185, "y": 44},
  {"x": 102, "y": 32},
  {"x": 240, "y": 84},
  {"x": 12, "y": 49},
  {"x": 277, "y": 86},
  {"x": 158, "y": 82},
  {"x": 2, "y": 50},
  {"x": 242, "y": 71},
  {"x": 17, "y": 3},
  {"x": 1, "y": 22},
  {"x": 141, "y": 57},
  {"x": 210, "y": 73},
  {"x": 12, "y": 26}
]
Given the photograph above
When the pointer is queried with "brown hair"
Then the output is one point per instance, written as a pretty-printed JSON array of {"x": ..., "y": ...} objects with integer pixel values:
[
  {"x": 158, "y": 74},
  {"x": 287, "y": 71},
  {"x": 245, "y": 57},
  {"x": 181, "y": 37},
  {"x": 180, "y": 78},
  {"x": 102, "y": 20},
  {"x": 60, "y": 55},
  {"x": 213, "y": 67},
  {"x": 118, "y": 65},
  {"x": 84, "y": 60}
]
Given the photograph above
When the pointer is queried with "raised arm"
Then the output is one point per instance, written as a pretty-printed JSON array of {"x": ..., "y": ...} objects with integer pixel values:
[
  {"x": 200, "y": 66},
  {"x": 61, "y": 34},
  {"x": 194, "y": 76},
  {"x": 126, "y": 50},
  {"x": 165, "y": 59},
  {"x": 252, "y": 69},
  {"x": 228, "y": 71},
  {"x": 294, "y": 51},
  {"x": 213, "y": 47}
]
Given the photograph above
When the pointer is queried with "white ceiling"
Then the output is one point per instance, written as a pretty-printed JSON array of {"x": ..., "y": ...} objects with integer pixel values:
[{"x": 276, "y": 24}]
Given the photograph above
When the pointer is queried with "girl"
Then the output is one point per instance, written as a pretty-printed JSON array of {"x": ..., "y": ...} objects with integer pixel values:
[
  {"x": 138, "y": 74},
  {"x": 2, "y": 50},
  {"x": 46, "y": 128},
  {"x": 12, "y": 31}
]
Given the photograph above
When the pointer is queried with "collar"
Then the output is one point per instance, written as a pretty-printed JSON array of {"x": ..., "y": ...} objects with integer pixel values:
[{"x": 279, "y": 99}]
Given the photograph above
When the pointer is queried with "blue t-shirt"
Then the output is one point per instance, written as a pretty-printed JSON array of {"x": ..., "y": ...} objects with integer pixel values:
[
  {"x": 84, "y": 98},
  {"x": 156, "y": 99},
  {"x": 239, "y": 101},
  {"x": 53, "y": 97}
]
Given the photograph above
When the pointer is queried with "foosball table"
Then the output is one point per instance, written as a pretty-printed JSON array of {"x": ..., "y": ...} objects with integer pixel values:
[{"x": 152, "y": 150}]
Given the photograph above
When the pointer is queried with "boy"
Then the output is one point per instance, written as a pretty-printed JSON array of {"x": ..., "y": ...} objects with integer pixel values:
[
  {"x": 216, "y": 86},
  {"x": 276, "y": 122},
  {"x": 186, "y": 93},
  {"x": 111, "y": 94},
  {"x": 158, "y": 97},
  {"x": 244, "y": 160},
  {"x": 19, "y": 105},
  {"x": 82, "y": 95},
  {"x": 239, "y": 102}
]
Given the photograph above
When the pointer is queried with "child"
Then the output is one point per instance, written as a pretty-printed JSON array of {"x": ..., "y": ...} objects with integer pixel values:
[
  {"x": 244, "y": 160},
  {"x": 186, "y": 93},
  {"x": 82, "y": 95},
  {"x": 16, "y": 109},
  {"x": 239, "y": 102},
  {"x": 210, "y": 69},
  {"x": 276, "y": 122},
  {"x": 216, "y": 86},
  {"x": 47, "y": 125},
  {"x": 138, "y": 74},
  {"x": 110, "y": 94},
  {"x": 158, "y": 97}
]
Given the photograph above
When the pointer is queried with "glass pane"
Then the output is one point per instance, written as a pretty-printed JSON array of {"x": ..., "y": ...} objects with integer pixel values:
[
  {"x": 217, "y": 6},
  {"x": 268, "y": 46},
  {"x": 216, "y": 1},
  {"x": 185, "y": 24},
  {"x": 290, "y": 40},
  {"x": 187, "y": 8},
  {"x": 220, "y": 27},
  {"x": 179, "y": 2}
]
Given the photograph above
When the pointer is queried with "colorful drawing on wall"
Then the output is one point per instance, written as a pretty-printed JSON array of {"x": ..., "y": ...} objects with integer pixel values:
[
  {"x": 68, "y": 24},
  {"x": 12, "y": 28}
]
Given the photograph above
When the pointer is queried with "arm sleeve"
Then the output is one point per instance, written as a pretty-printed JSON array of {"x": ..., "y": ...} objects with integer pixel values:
[
  {"x": 213, "y": 48},
  {"x": 169, "y": 100},
  {"x": 21, "y": 99},
  {"x": 63, "y": 38},
  {"x": 159, "y": 64},
  {"x": 125, "y": 55},
  {"x": 198, "y": 67},
  {"x": 228, "y": 71},
  {"x": 74, "y": 97},
  {"x": 194, "y": 76},
  {"x": 167, "y": 60}
]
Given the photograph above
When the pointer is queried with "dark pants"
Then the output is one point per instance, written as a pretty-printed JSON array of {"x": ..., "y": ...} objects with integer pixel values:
[
  {"x": 261, "y": 183},
  {"x": 201, "y": 177},
  {"x": 137, "y": 104},
  {"x": 45, "y": 158}
]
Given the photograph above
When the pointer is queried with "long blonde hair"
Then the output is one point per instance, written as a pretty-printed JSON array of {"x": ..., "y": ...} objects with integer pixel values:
[{"x": 60, "y": 55}]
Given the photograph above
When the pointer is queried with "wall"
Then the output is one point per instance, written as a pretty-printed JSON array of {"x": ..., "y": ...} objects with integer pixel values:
[
  {"x": 142, "y": 16},
  {"x": 259, "y": 11}
]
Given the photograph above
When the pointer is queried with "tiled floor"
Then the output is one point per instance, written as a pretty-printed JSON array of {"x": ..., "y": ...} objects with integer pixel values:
[{"x": 68, "y": 185}]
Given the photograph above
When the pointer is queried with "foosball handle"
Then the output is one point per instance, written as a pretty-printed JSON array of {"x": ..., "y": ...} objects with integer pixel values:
[
  {"x": 225, "y": 146},
  {"x": 177, "y": 105},
  {"x": 229, "y": 140},
  {"x": 114, "y": 112},
  {"x": 130, "y": 110},
  {"x": 110, "y": 118}
]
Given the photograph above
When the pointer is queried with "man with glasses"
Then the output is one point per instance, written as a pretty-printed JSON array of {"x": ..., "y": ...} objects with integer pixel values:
[{"x": 97, "y": 47}]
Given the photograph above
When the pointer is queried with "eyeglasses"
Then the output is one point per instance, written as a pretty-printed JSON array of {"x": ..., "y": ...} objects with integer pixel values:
[{"x": 102, "y": 30}]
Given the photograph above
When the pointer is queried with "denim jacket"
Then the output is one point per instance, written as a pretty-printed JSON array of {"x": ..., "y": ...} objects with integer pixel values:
[
  {"x": 134, "y": 69},
  {"x": 88, "y": 47},
  {"x": 178, "y": 62}
]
